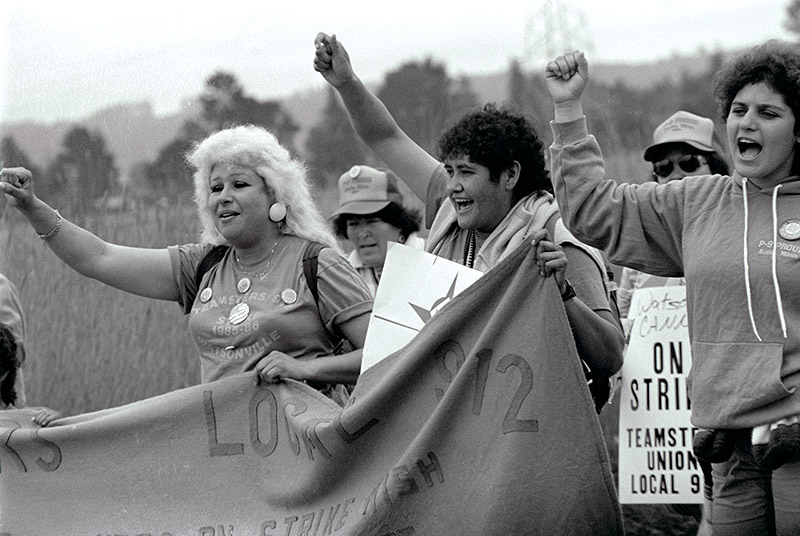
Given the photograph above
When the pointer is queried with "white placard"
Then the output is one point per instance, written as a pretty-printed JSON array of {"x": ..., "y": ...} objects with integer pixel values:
[
  {"x": 414, "y": 286},
  {"x": 656, "y": 463}
]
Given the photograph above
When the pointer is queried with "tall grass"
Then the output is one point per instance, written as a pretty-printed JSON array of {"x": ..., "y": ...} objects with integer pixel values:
[{"x": 90, "y": 346}]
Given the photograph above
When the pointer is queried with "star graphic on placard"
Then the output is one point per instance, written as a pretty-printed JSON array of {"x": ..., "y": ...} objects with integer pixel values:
[{"x": 426, "y": 314}]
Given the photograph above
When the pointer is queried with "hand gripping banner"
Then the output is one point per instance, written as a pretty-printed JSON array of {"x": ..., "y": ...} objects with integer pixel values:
[{"x": 481, "y": 425}]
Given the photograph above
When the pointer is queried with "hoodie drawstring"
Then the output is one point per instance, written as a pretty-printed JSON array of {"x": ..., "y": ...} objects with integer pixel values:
[
  {"x": 775, "y": 282},
  {"x": 747, "y": 263}
]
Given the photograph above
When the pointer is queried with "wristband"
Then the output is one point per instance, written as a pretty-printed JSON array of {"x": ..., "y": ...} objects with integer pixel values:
[{"x": 568, "y": 293}]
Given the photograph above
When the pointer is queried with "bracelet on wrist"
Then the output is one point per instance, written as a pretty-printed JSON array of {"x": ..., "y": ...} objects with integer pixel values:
[
  {"x": 54, "y": 231},
  {"x": 568, "y": 293}
]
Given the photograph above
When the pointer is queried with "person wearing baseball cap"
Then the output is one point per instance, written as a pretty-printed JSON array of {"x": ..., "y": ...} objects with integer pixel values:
[
  {"x": 370, "y": 214},
  {"x": 685, "y": 144}
]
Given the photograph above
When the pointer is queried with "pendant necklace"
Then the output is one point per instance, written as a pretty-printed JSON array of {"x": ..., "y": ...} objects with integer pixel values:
[
  {"x": 241, "y": 311},
  {"x": 244, "y": 283}
]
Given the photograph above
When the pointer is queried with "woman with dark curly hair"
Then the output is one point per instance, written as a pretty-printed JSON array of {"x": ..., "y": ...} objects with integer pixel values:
[
  {"x": 9, "y": 364},
  {"x": 735, "y": 240},
  {"x": 9, "y": 368},
  {"x": 12, "y": 316},
  {"x": 493, "y": 172},
  {"x": 370, "y": 214}
]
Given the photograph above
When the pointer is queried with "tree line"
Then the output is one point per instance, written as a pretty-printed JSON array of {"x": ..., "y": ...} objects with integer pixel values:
[{"x": 421, "y": 95}]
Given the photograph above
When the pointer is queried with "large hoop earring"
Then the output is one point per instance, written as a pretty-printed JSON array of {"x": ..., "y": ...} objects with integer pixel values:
[{"x": 277, "y": 212}]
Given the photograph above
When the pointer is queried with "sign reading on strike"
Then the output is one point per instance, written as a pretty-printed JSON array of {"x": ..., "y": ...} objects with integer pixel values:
[{"x": 656, "y": 463}]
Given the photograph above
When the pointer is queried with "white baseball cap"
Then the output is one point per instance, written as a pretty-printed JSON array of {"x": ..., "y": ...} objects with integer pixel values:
[
  {"x": 366, "y": 190},
  {"x": 683, "y": 127}
]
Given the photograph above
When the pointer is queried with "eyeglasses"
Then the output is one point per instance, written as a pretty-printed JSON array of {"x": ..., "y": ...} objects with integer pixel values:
[{"x": 688, "y": 163}]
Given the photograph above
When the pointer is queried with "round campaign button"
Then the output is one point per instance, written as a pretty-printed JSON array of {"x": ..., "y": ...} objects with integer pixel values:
[
  {"x": 239, "y": 313},
  {"x": 790, "y": 230},
  {"x": 289, "y": 296},
  {"x": 243, "y": 285},
  {"x": 206, "y": 294}
]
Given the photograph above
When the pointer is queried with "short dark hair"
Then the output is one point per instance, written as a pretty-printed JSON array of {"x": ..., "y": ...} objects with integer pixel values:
[
  {"x": 495, "y": 138},
  {"x": 776, "y": 63},
  {"x": 9, "y": 364},
  {"x": 406, "y": 220},
  {"x": 716, "y": 163}
]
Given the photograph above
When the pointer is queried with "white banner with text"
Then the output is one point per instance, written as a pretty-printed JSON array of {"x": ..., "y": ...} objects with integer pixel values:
[{"x": 656, "y": 463}]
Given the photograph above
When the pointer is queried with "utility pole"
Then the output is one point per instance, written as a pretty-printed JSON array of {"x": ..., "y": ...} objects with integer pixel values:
[{"x": 552, "y": 29}]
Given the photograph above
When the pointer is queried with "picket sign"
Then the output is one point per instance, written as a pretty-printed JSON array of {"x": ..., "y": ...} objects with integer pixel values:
[{"x": 656, "y": 463}]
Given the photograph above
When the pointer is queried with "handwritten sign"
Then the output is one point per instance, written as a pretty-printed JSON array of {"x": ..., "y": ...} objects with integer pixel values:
[
  {"x": 656, "y": 463},
  {"x": 414, "y": 286}
]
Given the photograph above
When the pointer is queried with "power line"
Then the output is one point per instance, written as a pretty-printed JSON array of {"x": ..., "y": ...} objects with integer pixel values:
[{"x": 554, "y": 28}]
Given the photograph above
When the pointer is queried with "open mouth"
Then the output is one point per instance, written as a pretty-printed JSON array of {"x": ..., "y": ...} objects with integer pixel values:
[
  {"x": 226, "y": 215},
  {"x": 748, "y": 149},
  {"x": 462, "y": 204}
]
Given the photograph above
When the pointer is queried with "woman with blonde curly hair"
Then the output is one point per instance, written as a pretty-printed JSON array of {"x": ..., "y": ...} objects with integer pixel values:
[{"x": 267, "y": 289}]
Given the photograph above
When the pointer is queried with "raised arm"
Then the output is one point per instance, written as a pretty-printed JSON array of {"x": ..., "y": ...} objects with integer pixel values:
[
  {"x": 566, "y": 78},
  {"x": 371, "y": 120},
  {"x": 637, "y": 225},
  {"x": 146, "y": 272}
]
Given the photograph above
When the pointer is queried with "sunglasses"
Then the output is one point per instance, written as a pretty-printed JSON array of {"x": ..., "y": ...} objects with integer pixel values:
[{"x": 688, "y": 163}]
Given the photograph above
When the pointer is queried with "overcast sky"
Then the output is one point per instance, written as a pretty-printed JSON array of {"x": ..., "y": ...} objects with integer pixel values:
[{"x": 65, "y": 59}]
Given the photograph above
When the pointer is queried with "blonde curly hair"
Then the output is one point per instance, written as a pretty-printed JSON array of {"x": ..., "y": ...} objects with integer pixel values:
[{"x": 256, "y": 148}]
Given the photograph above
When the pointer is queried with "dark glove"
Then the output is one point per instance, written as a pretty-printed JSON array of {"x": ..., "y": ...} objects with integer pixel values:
[
  {"x": 777, "y": 443},
  {"x": 714, "y": 446}
]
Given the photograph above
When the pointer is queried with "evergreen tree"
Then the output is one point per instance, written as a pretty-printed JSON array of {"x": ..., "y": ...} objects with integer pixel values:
[
  {"x": 12, "y": 155},
  {"x": 419, "y": 97},
  {"x": 225, "y": 104},
  {"x": 332, "y": 146},
  {"x": 169, "y": 174},
  {"x": 84, "y": 170},
  {"x": 792, "y": 23}
]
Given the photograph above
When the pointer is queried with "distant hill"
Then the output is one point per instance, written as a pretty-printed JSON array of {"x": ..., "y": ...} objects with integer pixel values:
[{"x": 134, "y": 134}]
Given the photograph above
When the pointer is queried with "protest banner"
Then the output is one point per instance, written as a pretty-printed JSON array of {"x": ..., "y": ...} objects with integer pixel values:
[
  {"x": 656, "y": 463},
  {"x": 482, "y": 424}
]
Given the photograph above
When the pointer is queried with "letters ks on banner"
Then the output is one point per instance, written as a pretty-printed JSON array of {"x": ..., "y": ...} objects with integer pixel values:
[
  {"x": 656, "y": 462},
  {"x": 482, "y": 424}
]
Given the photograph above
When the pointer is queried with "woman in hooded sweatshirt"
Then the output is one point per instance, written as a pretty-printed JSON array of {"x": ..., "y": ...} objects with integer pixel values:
[{"x": 736, "y": 240}]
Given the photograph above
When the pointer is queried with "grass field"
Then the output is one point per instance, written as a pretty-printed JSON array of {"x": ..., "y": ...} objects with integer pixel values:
[{"x": 93, "y": 347}]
